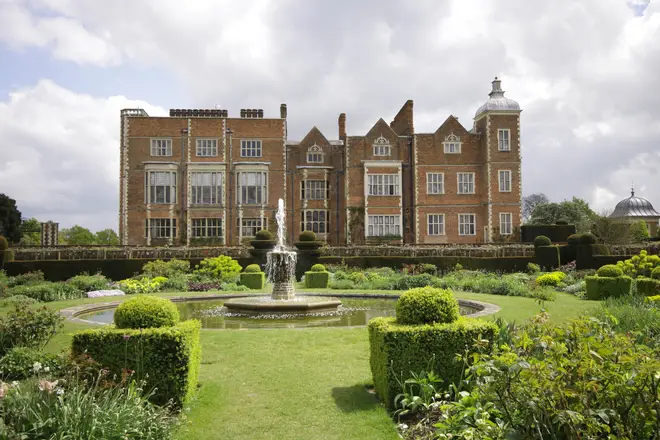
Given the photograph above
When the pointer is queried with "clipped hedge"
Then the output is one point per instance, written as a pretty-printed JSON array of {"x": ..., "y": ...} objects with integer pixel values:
[
  {"x": 426, "y": 305},
  {"x": 397, "y": 350},
  {"x": 317, "y": 280},
  {"x": 253, "y": 280},
  {"x": 648, "y": 286},
  {"x": 609, "y": 270},
  {"x": 556, "y": 233},
  {"x": 604, "y": 287},
  {"x": 146, "y": 311},
  {"x": 548, "y": 257},
  {"x": 168, "y": 358}
]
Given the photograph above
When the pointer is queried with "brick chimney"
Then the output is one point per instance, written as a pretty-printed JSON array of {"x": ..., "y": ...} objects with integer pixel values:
[
  {"x": 283, "y": 111},
  {"x": 342, "y": 125}
]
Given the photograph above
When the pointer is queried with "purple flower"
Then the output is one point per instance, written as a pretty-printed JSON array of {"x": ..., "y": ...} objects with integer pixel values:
[{"x": 127, "y": 337}]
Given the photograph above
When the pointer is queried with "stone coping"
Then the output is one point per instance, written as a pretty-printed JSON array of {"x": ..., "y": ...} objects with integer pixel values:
[{"x": 72, "y": 313}]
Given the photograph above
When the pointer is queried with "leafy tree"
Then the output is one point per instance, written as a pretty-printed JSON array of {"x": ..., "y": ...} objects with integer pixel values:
[
  {"x": 610, "y": 231},
  {"x": 77, "y": 235},
  {"x": 107, "y": 236},
  {"x": 10, "y": 219},
  {"x": 576, "y": 211},
  {"x": 531, "y": 201},
  {"x": 31, "y": 232},
  {"x": 639, "y": 231}
]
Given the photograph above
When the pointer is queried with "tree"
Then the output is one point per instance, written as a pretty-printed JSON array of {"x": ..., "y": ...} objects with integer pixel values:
[
  {"x": 10, "y": 219},
  {"x": 31, "y": 232},
  {"x": 530, "y": 202},
  {"x": 107, "y": 236},
  {"x": 77, "y": 235},
  {"x": 610, "y": 231},
  {"x": 576, "y": 211},
  {"x": 639, "y": 231}
]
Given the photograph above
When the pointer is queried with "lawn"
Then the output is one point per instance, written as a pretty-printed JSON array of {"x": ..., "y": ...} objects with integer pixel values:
[{"x": 299, "y": 383}]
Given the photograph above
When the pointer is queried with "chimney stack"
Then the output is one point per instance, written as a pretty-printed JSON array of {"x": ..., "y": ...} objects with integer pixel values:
[
  {"x": 283, "y": 111},
  {"x": 342, "y": 125}
]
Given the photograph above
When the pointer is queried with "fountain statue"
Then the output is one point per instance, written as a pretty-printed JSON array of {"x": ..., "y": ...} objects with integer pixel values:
[{"x": 281, "y": 269}]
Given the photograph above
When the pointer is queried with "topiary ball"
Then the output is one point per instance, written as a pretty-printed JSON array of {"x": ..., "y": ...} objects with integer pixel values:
[
  {"x": 561, "y": 221},
  {"x": 318, "y": 268},
  {"x": 252, "y": 268},
  {"x": 426, "y": 305},
  {"x": 3, "y": 243},
  {"x": 655, "y": 273},
  {"x": 574, "y": 239},
  {"x": 609, "y": 270},
  {"x": 264, "y": 235},
  {"x": 588, "y": 238},
  {"x": 542, "y": 240},
  {"x": 307, "y": 236},
  {"x": 146, "y": 311}
]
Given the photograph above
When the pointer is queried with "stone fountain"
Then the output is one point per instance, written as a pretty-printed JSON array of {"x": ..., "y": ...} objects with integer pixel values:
[{"x": 281, "y": 269}]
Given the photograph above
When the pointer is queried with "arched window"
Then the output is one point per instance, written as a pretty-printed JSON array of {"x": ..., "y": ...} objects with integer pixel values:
[
  {"x": 452, "y": 144},
  {"x": 315, "y": 154},
  {"x": 382, "y": 147}
]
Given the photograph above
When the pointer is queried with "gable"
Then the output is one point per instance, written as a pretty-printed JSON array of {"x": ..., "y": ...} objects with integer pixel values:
[
  {"x": 314, "y": 137},
  {"x": 451, "y": 126}
]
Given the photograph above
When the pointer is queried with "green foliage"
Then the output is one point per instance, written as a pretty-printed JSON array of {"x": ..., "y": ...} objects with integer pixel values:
[
  {"x": 34, "y": 277},
  {"x": 141, "y": 286},
  {"x": 10, "y": 219},
  {"x": 220, "y": 268},
  {"x": 175, "y": 283},
  {"x": 342, "y": 285},
  {"x": 605, "y": 287},
  {"x": 561, "y": 221},
  {"x": 587, "y": 238},
  {"x": 264, "y": 234},
  {"x": 632, "y": 315},
  {"x": 28, "y": 327},
  {"x": 22, "y": 362},
  {"x": 146, "y": 311},
  {"x": 17, "y": 299},
  {"x": 427, "y": 305},
  {"x": 168, "y": 358},
  {"x": 655, "y": 273},
  {"x": 640, "y": 265},
  {"x": 579, "y": 381},
  {"x": 170, "y": 268},
  {"x": 647, "y": 286},
  {"x": 576, "y": 212},
  {"x": 47, "y": 291},
  {"x": 253, "y": 280},
  {"x": 542, "y": 240},
  {"x": 106, "y": 237},
  {"x": 77, "y": 235},
  {"x": 653, "y": 300},
  {"x": 639, "y": 231},
  {"x": 418, "y": 394},
  {"x": 88, "y": 283},
  {"x": 548, "y": 257},
  {"x": 30, "y": 232},
  {"x": 318, "y": 268},
  {"x": 532, "y": 201},
  {"x": 317, "y": 280},
  {"x": 41, "y": 409},
  {"x": 252, "y": 268},
  {"x": 574, "y": 239},
  {"x": 3, "y": 243},
  {"x": 533, "y": 268},
  {"x": 609, "y": 270},
  {"x": 550, "y": 279},
  {"x": 398, "y": 350},
  {"x": 307, "y": 236}
]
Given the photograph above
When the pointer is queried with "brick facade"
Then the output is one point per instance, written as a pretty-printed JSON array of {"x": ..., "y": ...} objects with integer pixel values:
[{"x": 199, "y": 176}]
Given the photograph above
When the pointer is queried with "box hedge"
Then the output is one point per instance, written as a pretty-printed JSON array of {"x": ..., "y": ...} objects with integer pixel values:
[
  {"x": 317, "y": 280},
  {"x": 547, "y": 257},
  {"x": 168, "y": 358},
  {"x": 605, "y": 287},
  {"x": 444, "y": 264},
  {"x": 253, "y": 280},
  {"x": 397, "y": 350},
  {"x": 648, "y": 286}
]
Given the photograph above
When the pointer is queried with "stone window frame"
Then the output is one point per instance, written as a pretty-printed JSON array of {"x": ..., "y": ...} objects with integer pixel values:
[
  {"x": 393, "y": 222},
  {"x": 263, "y": 186},
  {"x": 256, "y": 224},
  {"x": 203, "y": 149},
  {"x": 150, "y": 197},
  {"x": 435, "y": 225},
  {"x": 318, "y": 222},
  {"x": 504, "y": 143},
  {"x": 251, "y": 148},
  {"x": 382, "y": 146},
  {"x": 315, "y": 154},
  {"x": 219, "y": 181},
  {"x": 438, "y": 182},
  {"x": 507, "y": 181},
  {"x": 204, "y": 224},
  {"x": 157, "y": 149},
  {"x": 311, "y": 187},
  {"x": 462, "y": 223},
  {"x": 383, "y": 181},
  {"x": 509, "y": 231},
  {"x": 452, "y": 144},
  {"x": 460, "y": 185},
  {"x": 163, "y": 224}
]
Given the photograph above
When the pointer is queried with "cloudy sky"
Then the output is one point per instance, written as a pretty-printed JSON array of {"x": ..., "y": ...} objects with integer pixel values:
[{"x": 585, "y": 72}]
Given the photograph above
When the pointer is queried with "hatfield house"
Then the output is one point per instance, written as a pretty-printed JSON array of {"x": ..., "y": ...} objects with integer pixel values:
[{"x": 199, "y": 176}]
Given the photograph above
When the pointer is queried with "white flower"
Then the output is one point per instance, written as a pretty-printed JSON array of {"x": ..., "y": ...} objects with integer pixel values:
[
  {"x": 14, "y": 383},
  {"x": 46, "y": 369},
  {"x": 60, "y": 391},
  {"x": 36, "y": 367}
]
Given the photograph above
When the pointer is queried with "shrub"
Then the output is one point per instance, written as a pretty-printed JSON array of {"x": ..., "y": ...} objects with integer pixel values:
[
  {"x": 533, "y": 268},
  {"x": 397, "y": 350},
  {"x": 655, "y": 273},
  {"x": 574, "y": 239},
  {"x": 561, "y": 221},
  {"x": 548, "y": 257},
  {"x": 609, "y": 270},
  {"x": 252, "y": 268},
  {"x": 653, "y": 300},
  {"x": 200, "y": 286},
  {"x": 640, "y": 265},
  {"x": 587, "y": 238},
  {"x": 342, "y": 285},
  {"x": 307, "y": 236},
  {"x": 426, "y": 305},
  {"x": 542, "y": 240},
  {"x": 647, "y": 286},
  {"x": 550, "y": 279},
  {"x": 221, "y": 268},
  {"x": 233, "y": 287},
  {"x": 605, "y": 287},
  {"x": 28, "y": 327},
  {"x": 88, "y": 283},
  {"x": 34, "y": 277},
  {"x": 318, "y": 268},
  {"x": 4, "y": 244},
  {"x": 415, "y": 281},
  {"x": 316, "y": 279},
  {"x": 167, "y": 269},
  {"x": 46, "y": 291},
  {"x": 168, "y": 358},
  {"x": 18, "y": 299},
  {"x": 264, "y": 234},
  {"x": 41, "y": 409},
  {"x": 253, "y": 280},
  {"x": 22, "y": 362},
  {"x": 142, "y": 286},
  {"x": 175, "y": 283},
  {"x": 146, "y": 311}
]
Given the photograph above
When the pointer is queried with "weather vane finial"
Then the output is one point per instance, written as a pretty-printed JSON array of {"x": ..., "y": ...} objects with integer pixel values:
[{"x": 632, "y": 189}]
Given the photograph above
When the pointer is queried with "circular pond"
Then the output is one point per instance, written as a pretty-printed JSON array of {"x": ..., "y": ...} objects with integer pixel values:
[{"x": 354, "y": 311}]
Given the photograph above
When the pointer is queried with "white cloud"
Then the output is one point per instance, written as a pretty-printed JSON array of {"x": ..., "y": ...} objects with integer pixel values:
[{"x": 584, "y": 73}]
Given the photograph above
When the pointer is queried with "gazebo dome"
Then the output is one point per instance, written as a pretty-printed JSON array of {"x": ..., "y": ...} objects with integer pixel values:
[
  {"x": 497, "y": 101},
  {"x": 634, "y": 207}
]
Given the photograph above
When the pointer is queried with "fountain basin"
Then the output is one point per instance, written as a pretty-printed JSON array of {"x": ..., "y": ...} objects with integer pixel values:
[{"x": 298, "y": 305}]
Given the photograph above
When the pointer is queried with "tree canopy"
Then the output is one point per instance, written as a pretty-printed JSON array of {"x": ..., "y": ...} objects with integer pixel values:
[
  {"x": 576, "y": 212},
  {"x": 107, "y": 236},
  {"x": 76, "y": 235},
  {"x": 532, "y": 201},
  {"x": 30, "y": 232},
  {"x": 10, "y": 219}
]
